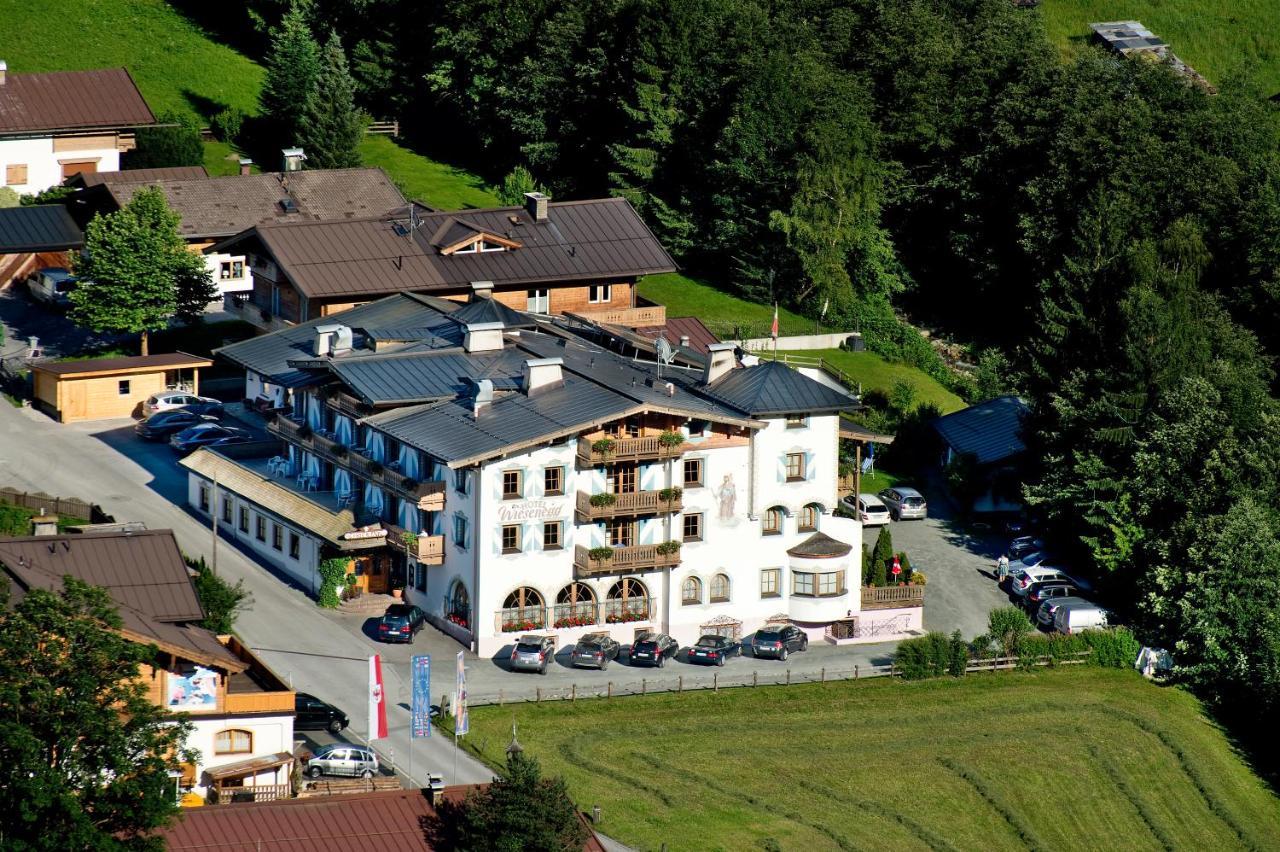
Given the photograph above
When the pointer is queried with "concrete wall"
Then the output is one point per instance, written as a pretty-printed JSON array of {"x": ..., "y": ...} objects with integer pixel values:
[{"x": 800, "y": 341}]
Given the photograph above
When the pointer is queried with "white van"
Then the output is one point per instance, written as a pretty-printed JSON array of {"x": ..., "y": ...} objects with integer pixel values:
[
  {"x": 1072, "y": 617},
  {"x": 52, "y": 286}
]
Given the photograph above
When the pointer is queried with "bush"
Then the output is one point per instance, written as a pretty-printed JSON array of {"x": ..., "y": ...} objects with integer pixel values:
[
  {"x": 176, "y": 142},
  {"x": 907, "y": 572},
  {"x": 918, "y": 578},
  {"x": 1007, "y": 625},
  {"x": 333, "y": 573},
  {"x": 866, "y": 567},
  {"x": 227, "y": 124},
  {"x": 221, "y": 600},
  {"x": 1114, "y": 649},
  {"x": 957, "y": 655},
  {"x": 925, "y": 656}
]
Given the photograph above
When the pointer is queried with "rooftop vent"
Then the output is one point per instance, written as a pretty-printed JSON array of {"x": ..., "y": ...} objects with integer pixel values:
[
  {"x": 4, "y": 70},
  {"x": 684, "y": 341},
  {"x": 542, "y": 374},
  {"x": 483, "y": 337},
  {"x": 535, "y": 204},
  {"x": 44, "y": 524},
  {"x": 482, "y": 397},
  {"x": 246, "y": 165},
  {"x": 292, "y": 159},
  {"x": 288, "y": 205},
  {"x": 481, "y": 290},
  {"x": 333, "y": 339},
  {"x": 719, "y": 362}
]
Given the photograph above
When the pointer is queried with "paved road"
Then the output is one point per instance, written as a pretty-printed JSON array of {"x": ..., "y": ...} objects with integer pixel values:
[
  {"x": 22, "y": 317},
  {"x": 316, "y": 653}
]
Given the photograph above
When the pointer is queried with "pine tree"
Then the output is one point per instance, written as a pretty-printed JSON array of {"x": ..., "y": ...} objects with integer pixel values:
[
  {"x": 293, "y": 65},
  {"x": 520, "y": 810},
  {"x": 517, "y": 182},
  {"x": 331, "y": 127}
]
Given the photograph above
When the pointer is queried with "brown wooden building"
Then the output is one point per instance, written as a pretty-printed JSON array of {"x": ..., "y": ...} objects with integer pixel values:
[{"x": 103, "y": 388}]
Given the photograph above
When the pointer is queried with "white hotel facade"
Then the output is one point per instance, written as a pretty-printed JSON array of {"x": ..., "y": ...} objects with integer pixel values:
[{"x": 550, "y": 481}]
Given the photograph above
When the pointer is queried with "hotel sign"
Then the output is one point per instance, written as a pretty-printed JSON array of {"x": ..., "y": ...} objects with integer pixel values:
[{"x": 530, "y": 510}]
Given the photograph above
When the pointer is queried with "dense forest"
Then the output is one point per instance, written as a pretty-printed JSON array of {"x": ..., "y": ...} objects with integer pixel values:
[{"x": 1105, "y": 231}]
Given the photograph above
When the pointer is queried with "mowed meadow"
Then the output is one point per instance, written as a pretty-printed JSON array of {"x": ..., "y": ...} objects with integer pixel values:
[{"x": 945, "y": 764}]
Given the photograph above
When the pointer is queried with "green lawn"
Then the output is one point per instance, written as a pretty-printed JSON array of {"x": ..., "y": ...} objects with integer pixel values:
[
  {"x": 172, "y": 60},
  {"x": 875, "y": 373},
  {"x": 421, "y": 179},
  {"x": 727, "y": 316},
  {"x": 1216, "y": 38},
  {"x": 886, "y": 765}
]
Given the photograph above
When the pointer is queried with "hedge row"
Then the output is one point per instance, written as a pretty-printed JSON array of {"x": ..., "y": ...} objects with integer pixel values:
[{"x": 936, "y": 654}]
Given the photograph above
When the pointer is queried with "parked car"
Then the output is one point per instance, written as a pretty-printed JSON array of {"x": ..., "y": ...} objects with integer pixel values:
[
  {"x": 208, "y": 435},
  {"x": 162, "y": 424},
  {"x": 653, "y": 649},
  {"x": 400, "y": 623},
  {"x": 532, "y": 654},
  {"x": 206, "y": 407},
  {"x": 52, "y": 286},
  {"x": 713, "y": 650},
  {"x": 594, "y": 650},
  {"x": 1041, "y": 592},
  {"x": 1024, "y": 544},
  {"x": 869, "y": 508},
  {"x": 1025, "y": 578},
  {"x": 343, "y": 759},
  {"x": 1075, "y": 616},
  {"x": 905, "y": 503},
  {"x": 172, "y": 399},
  {"x": 1034, "y": 559},
  {"x": 316, "y": 715},
  {"x": 1049, "y": 609},
  {"x": 778, "y": 642}
]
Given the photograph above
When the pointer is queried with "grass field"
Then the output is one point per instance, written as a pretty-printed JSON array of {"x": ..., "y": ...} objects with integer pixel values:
[
  {"x": 722, "y": 313},
  {"x": 421, "y": 179},
  {"x": 875, "y": 373},
  {"x": 888, "y": 765},
  {"x": 1217, "y": 39}
]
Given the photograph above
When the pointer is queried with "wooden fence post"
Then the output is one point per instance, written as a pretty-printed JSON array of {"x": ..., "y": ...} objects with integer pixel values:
[
  {"x": 499, "y": 697},
  {"x": 755, "y": 680},
  {"x": 788, "y": 677},
  {"x": 644, "y": 686},
  {"x": 610, "y": 692},
  {"x": 715, "y": 681},
  {"x": 539, "y": 694},
  {"x": 822, "y": 675},
  {"x": 680, "y": 684},
  {"x": 855, "y": 671},
  {"x": 573, "y": 693}
]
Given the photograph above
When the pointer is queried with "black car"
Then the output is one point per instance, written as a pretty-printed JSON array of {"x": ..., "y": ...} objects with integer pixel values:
[
  {"x": 162, "y": 424},
  {"x": 400, "y": 623},
  {"x": 1038, "y": 593},
  {"x": 316, "y": 715},
  {"x": 653, "y": 649},
  {"x": 594, "y": 650},
  {"x": 205, "y": 408},
  {"x": 713, "y": 650},
  {"x": 779, "y": 641},
  {"x": 208, "y": 435}
]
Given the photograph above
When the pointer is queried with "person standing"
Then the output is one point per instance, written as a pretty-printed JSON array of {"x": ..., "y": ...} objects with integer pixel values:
[{"x": 1002, "y": 568}]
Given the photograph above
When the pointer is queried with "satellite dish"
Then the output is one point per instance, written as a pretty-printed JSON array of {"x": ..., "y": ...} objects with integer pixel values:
[{"x": 665, "y": 351}]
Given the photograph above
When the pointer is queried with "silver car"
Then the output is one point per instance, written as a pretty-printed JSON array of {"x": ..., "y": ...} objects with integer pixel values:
[
  {"x": 533, "y": 654},
  {"x": 343, "y": 759},
  {"x": 1049, "y": 609},
  {"x": 905, "y": 503}
]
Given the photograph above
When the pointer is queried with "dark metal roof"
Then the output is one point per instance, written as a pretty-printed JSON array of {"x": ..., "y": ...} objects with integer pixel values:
[
  {"x": 135, "y": 363},
  {"x": 990, "y": 430},
  {"x": 580, "y": 240},
  {"x": 820, "y": 546},
  {"x": 222, "y": 206},
  {"x": 771, "y": 387},
  {"x": 422, "y": 377},
  {"x": 700, "y": 337},
  {"x": 137, "y": 176},
  {"x": 71, "y": 100},
  {"x": 45, "y": 227},
  {"x": 491, "y": 310},
  {"x": 143, "y": 570}
]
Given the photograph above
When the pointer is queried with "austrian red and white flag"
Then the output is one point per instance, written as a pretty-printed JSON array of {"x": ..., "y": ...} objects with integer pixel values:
[
  {"x": 773, "y": 329},
  {"x": 377, "y": 700}
]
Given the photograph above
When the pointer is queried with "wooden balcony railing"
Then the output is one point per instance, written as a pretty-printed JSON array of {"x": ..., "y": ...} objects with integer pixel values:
[
  {"x": 429, "y": 549},
  {"x": 649, "y": 447},
  {"x": 635, "y": 503},
  {"x": 259, "y": 702},
  {"x": 631, "y": 317},
  {"x": 640, "y": 557},
  {"x": 892, "y": 597}
]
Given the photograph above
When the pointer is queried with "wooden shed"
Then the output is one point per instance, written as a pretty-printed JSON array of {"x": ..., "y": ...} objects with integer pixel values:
[{"x": 103, "y": 388}]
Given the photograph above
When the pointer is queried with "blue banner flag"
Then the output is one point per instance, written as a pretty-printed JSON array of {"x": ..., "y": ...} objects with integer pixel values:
[
  {"x": 421, "y": 674},
  {"x": 462, "y": 721}
]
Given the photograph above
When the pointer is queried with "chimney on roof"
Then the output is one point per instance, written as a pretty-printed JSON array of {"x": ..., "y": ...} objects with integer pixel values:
[
  {"x": 483, "y": 337},
  {"x": 332, "y": 340},
  {"x": 293, "y": 159},
  {"x": 684, "y": 341},
  {"x": 481, "y": 290},
  {"x": 719, "y": 361},
  {"x": 482, "y": 398},
  {"x": 535, "y": 204},
  {"x": 246, "y": 165},
  {"x": 542, "y": 374},
  {"x": 44, "y": 524},
  {"x": 4, "y": 70}
]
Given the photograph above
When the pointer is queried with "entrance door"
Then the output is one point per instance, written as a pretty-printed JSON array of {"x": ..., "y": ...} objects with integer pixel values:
[{"x": 379, "y": 570}]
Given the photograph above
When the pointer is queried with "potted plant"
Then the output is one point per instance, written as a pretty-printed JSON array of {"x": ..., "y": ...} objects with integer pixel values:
[
  {"x": 670, "y": 495},
  {"x": 409, "y": 484},
  {"x": 410, "y": 542},
  {"x": 375, "y": 467},
  {"x": 600, "y": 501},
  {"x": 670, "y": 439},
  {"x": 604, "y": 446},
  {"x": 667, "y": 548},
  {"x": 339, "y": 450},
  {"x": 304, "y": 431},
  {"x": 600, "y": 554}
]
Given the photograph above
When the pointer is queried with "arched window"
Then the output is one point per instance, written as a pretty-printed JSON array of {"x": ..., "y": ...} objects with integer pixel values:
[
  {"x": 459, "y": 605},
  {"x": 809, "y": 517},
  {"x": 232, "y": 741},
  {"x": 627, "y": 600},
  {"x": 575, "y": 606},
  {"x": 773, "y": 521},
  {"x": 691, "y": 591},
  {"x": 523, "y": 610},
  {"x": 720, "y": 588}
]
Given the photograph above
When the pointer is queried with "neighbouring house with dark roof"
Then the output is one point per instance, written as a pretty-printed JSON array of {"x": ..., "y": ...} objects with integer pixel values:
[
  {"x": 990, "y": 435},
  {"x": 572, "y": 257},
  {"x": 34, "y": 238},
  {"x": 513, "y": 472},
  {"x": 242, "y": 711},
  {"x": 59, "y": 124},
  {"x": 214, "y": 208}
]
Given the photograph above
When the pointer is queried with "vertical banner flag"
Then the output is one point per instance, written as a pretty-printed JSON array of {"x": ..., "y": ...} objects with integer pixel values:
[
  {"x": 421, "y": 673},
  {"x": 377, "y": 700},
  {"x": 773, "y": 329},
  {"x": 461, "y": 721}
]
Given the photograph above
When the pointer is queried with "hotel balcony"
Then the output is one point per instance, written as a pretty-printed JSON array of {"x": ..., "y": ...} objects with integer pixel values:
[
  {"x": 428, "y": 549},
  {"x": 634, "y": 503},
  {"x": 239, "y": 305},
  {"x": 429, "y": 495},
  {"x": 643, "y": 315},
  {"x": 647, "y": 448},
  {"x": 257, "y": 689},
  {"x": 624, "y": 560}
]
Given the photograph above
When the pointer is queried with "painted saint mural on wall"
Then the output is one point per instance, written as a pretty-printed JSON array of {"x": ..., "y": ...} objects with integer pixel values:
[{"x": 727, "y": 494}]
